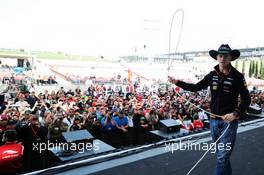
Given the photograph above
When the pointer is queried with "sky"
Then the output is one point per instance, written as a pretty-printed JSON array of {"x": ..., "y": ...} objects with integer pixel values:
[{"x": 123, "y": 27}]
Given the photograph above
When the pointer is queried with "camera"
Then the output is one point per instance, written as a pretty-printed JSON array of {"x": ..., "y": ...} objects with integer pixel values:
[
  {"x": 11, "y": 122},
  {"x": 93, "y": 115}
]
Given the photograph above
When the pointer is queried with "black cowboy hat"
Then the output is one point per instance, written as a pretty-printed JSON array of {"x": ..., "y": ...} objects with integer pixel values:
[{"x": 225, "y": 49}]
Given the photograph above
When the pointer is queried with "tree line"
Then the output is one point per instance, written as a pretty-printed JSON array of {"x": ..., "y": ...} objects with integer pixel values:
[{"x": 256, "y": 68}]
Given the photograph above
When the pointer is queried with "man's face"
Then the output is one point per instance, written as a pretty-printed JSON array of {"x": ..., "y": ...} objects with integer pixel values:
[
  {"x": 21, "y": 99},
  {"x": 121, "y": 115},
  {"x": 103, "y": 111},
  {"x": 224, "y": 59},
  {"x": 35, "y": 122},
  {"x": 71, "y": 112},
  {"x": 140, "y": 111},
  {"x": 77, "y": 122}
]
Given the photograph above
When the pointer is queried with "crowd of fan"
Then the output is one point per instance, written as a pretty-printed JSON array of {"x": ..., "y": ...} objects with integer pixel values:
[
  {"x": 257, "y": 98},
  {"x": 117, "y": 118}
]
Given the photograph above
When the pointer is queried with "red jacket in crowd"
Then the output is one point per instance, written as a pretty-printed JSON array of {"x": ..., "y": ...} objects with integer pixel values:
[
  {"x": 10, "y": 157},
  {"x": 196, "y": 124}
]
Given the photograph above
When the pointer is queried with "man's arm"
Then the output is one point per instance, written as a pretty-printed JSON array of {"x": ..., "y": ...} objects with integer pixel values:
[
  {"x": 205, "y": 82},
  {"x": 244, "y": 96},
  {"x": 245, "y": 101}
]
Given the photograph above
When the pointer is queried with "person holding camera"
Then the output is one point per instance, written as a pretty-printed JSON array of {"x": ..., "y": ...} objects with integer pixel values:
[
  {"x": 108, "y": 127},
  {"x": 56, "y": 128},
  {"x": 92, "y": 124}
]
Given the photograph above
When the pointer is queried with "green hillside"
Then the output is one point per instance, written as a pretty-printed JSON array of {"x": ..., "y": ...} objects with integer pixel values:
[{"x": 49, "y": 55}]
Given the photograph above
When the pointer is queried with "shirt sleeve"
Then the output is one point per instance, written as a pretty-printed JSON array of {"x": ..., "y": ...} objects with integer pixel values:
[
  {"x": 244, "y": 95},
  {"x": 204, "y": 83}
]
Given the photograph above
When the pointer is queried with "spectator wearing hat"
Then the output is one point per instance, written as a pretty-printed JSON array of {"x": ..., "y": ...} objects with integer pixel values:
[
  {"x": 226, "y": 84},
  {"x": 10, "y": 153}
]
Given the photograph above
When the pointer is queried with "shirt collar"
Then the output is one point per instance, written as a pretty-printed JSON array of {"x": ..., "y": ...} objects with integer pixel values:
[{"x": 220, "y": 73}]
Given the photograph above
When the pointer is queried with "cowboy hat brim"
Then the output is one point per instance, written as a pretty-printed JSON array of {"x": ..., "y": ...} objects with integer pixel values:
[{"x": 234, "y": 54}]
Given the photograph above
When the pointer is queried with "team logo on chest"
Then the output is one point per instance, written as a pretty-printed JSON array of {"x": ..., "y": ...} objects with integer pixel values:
[
  {"x": 214, "y": 85},
  {"x": 227, "y": 84}
]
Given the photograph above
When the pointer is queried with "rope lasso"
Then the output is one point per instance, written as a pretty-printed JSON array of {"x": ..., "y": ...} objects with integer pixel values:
[
  {"x": 179, "y": 37},
  {"x": 196, "y": 106}
]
